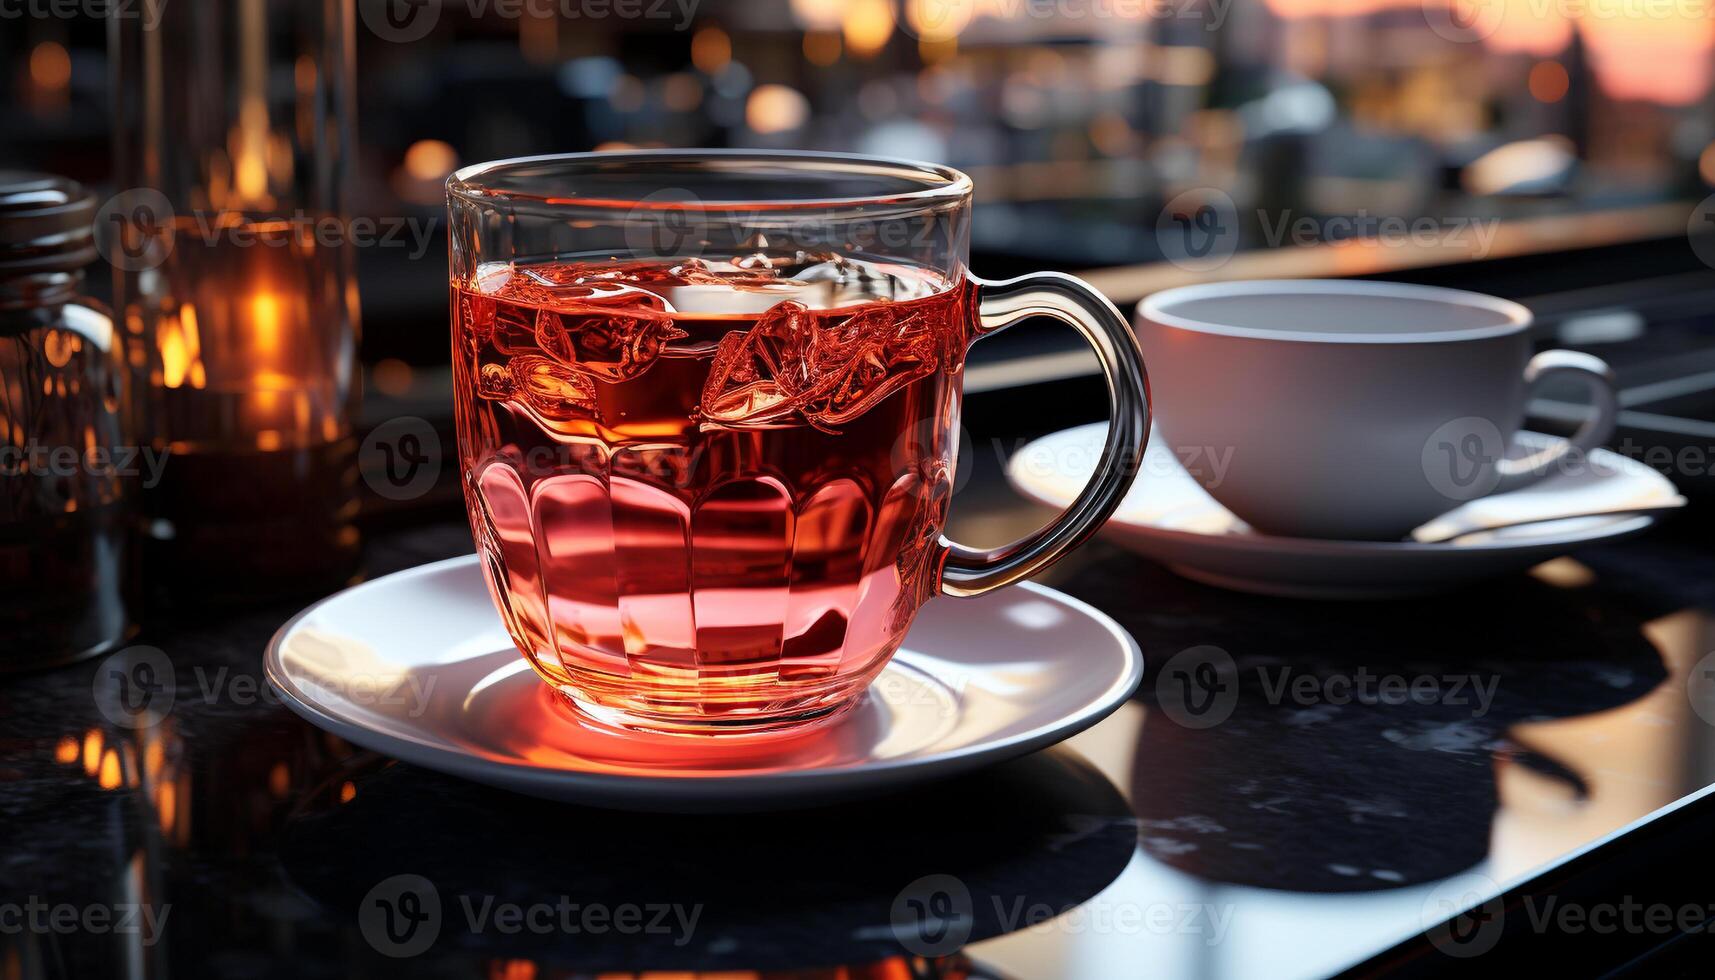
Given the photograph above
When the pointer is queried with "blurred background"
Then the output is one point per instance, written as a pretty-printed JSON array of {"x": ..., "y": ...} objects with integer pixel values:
[{"x": 1083, "y": 121}]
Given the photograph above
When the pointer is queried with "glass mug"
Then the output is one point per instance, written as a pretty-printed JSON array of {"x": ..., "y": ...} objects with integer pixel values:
[{"x": 708, "y": 410}]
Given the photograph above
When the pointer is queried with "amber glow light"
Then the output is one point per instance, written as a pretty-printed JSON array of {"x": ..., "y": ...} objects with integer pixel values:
[
  {"x": 391, "y": 376},
  {"x": 821, "y": 47},
  {"x": 711, "y": 50},
  {"x": 1548, "y": 81},
  {"x": 111, "y": 776},
  {"x": 937, "y": 20},
  {"x": 867, "y": 26},
  {"x": 50, "y": 66},
  {"x": 1657, "y": 53},
  {"x": 265, "y": 323},
  {"x": 776, "y": 109},
  {"x": 91, "y": 751},
  {"x": 1706, "y": 164},
  {"x": 430, "y": 160}
]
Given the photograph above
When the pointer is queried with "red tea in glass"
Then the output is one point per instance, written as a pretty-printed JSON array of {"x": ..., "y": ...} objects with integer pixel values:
[{"x": 709, "y": 489}]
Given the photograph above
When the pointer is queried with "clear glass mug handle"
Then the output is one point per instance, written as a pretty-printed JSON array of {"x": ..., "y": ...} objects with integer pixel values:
[{"x": 972, "y": 571}]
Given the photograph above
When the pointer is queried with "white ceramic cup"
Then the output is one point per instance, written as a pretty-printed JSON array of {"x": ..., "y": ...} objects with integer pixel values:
[{"x": 1353, "y": 410}]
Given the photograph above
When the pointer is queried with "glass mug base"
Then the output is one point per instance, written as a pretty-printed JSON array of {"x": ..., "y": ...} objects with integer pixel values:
[{"x": 668, "y": 711}]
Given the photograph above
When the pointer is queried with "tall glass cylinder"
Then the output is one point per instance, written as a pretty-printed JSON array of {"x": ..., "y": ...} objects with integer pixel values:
[{"x": 236, "y": 283}]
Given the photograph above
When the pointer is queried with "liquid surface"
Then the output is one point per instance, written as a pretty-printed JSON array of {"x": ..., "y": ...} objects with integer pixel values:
[{"x": 708, "y": 493}]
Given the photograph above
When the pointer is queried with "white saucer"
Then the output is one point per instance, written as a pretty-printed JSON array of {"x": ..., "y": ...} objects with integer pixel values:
[
  {"x": 1169, "y": 517},
  {"x": 417, "y": 665}
]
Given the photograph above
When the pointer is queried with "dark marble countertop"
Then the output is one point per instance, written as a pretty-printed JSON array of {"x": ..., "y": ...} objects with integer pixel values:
[{"x": 1356, "y": 763}]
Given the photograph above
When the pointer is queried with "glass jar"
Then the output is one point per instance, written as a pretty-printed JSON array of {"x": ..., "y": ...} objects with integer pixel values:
[
  {"x": 233, "y": 144},
  {"x": 68, "y": 463}
]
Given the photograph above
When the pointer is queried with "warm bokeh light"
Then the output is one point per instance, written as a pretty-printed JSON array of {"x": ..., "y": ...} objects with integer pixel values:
[
  {"x": 1112, "y": 135},
  {"x": 681, "y": 92},
  {"x": 526, "y": 970},
  {"x": 1521, "y": 164},
  {"x": 279, "y": 780},
  {"x": 938, "y": 20},
  {"x": 265, "y": 323},
  {"x": 50, "y": 66},
  {"x": 304, "y": 74},
  {"x": 1706, "y": 164},
  {"x": 180, "y": 347},
  {"x": 1650, "y": 52},
  {"x": 539, "y": 37},
  {"x": 111, "y": 776},
  {"x": 430, "y": 160},
  {"x": 91, "y": 751},
  {"x": 1183, "y": 65},
  {"x": 1641, "y": 54},
  {"x": 776, "y": 109},
  {"x": 167, "y": 805},
  {"x": 1548, "y": 81},
  {"x": 867, "y": 25},
  {"x": 821, "y": 47},
  {"x": 711, "y": 50},
  {"x": 935, "y": 52},
  {"x": 1522, "y": 26},
  {"x": 818, "y": 15},
  {"x": 391, "y": 376}
]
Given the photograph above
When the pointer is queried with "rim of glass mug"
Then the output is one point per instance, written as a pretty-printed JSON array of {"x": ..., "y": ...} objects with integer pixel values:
[{"x": 921, "y": 186}]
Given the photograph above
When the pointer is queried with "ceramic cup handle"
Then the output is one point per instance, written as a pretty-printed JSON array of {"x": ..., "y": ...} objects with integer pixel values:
[
  {"x": 972, "y": 571},
  {"x": 1599, "y": 378}
]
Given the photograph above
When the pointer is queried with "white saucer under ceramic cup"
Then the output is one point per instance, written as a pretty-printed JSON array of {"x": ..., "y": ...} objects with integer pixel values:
[
  {"x": 1168, "y": 516},
  {"x": 417, "y": 665}
]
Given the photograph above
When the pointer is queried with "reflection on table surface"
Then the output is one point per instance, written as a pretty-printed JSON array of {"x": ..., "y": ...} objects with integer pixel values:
[
  {"x": 1285, "y": 832},
  {"x": 1349, "y": 761}
]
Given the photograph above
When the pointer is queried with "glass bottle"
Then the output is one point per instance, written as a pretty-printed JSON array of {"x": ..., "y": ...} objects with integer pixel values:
[{"x": 69, "y": 466}]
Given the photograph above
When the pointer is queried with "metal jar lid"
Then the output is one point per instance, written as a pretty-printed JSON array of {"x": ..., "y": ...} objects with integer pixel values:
[{"x": 47, "y": 223}]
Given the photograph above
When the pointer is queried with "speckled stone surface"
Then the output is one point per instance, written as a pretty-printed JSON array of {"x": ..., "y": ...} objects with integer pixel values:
[{"x": 263, "y": 840}]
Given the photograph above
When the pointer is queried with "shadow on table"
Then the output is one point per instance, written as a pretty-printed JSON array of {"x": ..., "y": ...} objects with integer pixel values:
[
  {"x": 1328, "y": 746},
  {"x": 918, "y": 873}
]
